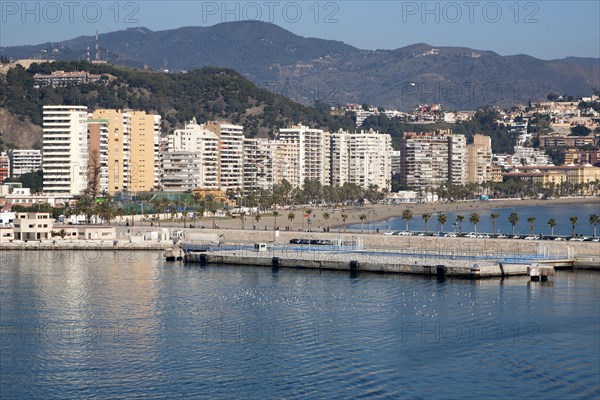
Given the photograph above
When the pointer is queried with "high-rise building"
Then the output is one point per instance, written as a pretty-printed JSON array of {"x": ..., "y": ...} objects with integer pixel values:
[
  {"x": 98, "y": 155},
  {"x": 24, "y": 161},
  {"x": 145, "y": 132},
  {"x": 260, "y": 157},
  {"x": 119, "y": 129},
  {"x": 204, "y": 143},
  {"x": 231, "y": 150},
  {"x": 361, "y": 158},
  {"x": 132, "y": 140},
  {"x": 430, "y": 159},
  {"x": 65, "y": 149},
  {"x": 312, "y": 154},
  {"x": 458, "y": 173},
  {"x": 479, "y": 159},
  {"x": 181, "y": 171}
]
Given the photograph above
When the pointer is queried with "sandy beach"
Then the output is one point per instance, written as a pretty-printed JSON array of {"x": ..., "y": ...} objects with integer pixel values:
[{"x": 379, "y": 212}]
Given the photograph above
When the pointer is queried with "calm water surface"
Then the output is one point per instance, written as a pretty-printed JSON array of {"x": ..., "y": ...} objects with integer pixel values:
[{"x": 78, "y": 326}]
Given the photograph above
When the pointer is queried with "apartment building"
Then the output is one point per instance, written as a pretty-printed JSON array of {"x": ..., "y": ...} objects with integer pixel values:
[
  {"x": 430, "y": 159},
  {"x": 24, "y": 161},
  {"x": 132, "y": 140},
  {"x": 260, "y": 157},
  {"x": 231, "y": 150},
  {"x": 361, "y": 158},
  {"x": 4, "y": 167},
  {"x": 181, "y": 171},
  {"x": 145, "y": 133},
  {"x": 98, "y": 154},
  {"x": 204, "y": 144},
  {"x": 65, "y": 149},
  {"x": 479, "y": 159},
  {"x": 312, "y": 154}
]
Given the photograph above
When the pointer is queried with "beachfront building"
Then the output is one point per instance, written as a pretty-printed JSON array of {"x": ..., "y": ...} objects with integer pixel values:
[
  {"x": 584, "y": 177},
  {"x": 312, "y": 154},
  {"x": 132, "y": 140},
  {"x": 431, "y": 159},
  {"x": 32, "y": 226},
  {"x": 65, "y": 149},
  {"x": 204, "y": 144},
  {"x": 181, "y": 171},
  {"x": 362, "y": 158},
  {"x": 24, "y": 161},
  {"x": 479, "y": 159},
  {"x": 98, "y": 155},
  {"x": 260, "y": 157},
  {"x": 231, "y": 154}
]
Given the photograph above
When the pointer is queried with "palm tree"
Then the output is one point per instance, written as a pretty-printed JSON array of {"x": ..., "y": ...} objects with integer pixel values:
[
  {"x": 257, "y": 218},
  {"x": 184, "y": 215},
  {"x": 531, "y": 221},
  {"x": 425, "y": 218},
  {"x": 243, "y": 218},
  {"x": 494, "y": 217},
  {"x": 474, "y": 219},
  {"x": 326, "y": 218},
  {"x": 62, "y": 233},
  {"x": 362, "y": 218},
  {"x": 158, "y": 206},
  {"x": 552, "y": 223},
  {"x": 291, "y": 217},
  {"x": 573, "y": 223},
  {"x": 307, "y": 212},
  {"x": 513, "y": 218},
  {"x": 344, "y": 218},
  {"x": 133, "y": 212},
  {"x": 594, "y": 220},
  {"x": 407, "y": 215},
  {"x": 275, "y": 215},
  {"x": 442, "y": 219},
  {"x": 460, "y": 219},
  {"x": 212, "y": 206}
]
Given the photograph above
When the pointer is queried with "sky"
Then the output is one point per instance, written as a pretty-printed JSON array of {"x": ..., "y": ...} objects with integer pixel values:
[{"x": 546, "y": 29}]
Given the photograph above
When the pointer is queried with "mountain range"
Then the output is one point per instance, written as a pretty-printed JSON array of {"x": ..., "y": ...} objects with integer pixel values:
[{"x": 309, "y": 69}]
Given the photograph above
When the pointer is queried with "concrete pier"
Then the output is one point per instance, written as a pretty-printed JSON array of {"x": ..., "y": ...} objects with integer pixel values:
[{"x": 440, "y": 268}]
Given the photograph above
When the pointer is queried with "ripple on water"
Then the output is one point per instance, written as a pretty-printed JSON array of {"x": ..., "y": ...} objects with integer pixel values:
[{"x": 149, "y": 330}]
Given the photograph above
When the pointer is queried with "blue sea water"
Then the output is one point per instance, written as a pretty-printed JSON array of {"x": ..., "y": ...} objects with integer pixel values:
[
  {"x": 542, "y": 214},
  {"x": 83, "y": 325}
]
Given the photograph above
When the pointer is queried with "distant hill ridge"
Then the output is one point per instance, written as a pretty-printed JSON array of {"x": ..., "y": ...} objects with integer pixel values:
[{"x": 308, "y": 69}]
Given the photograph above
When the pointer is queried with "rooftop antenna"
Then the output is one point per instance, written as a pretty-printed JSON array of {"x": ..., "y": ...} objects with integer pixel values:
[{"x": 97, "y": 47}]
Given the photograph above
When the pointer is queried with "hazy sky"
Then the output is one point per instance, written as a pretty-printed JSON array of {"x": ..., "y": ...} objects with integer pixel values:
[{"x": 546, "y": 29}]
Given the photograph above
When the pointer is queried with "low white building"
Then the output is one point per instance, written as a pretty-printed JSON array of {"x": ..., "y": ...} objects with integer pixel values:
[{"x": 24, "y": 197}]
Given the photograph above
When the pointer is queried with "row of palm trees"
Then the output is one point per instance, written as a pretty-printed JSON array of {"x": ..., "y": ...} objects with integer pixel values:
[{"x": 513, "y": 218}]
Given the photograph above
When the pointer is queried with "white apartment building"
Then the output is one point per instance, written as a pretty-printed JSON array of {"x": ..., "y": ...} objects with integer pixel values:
[
  {"x": 312, "y": 154},
  {"x": 24, "y": 161},
  {"x": 428, "y": 160},
  {"x": 231, "y": 149},
  {"x": 362, "y": 158},
  {"x": 458, "y": 171},
  {"x": 204, "y": 143},
  {"x": 260, "y": 157},
  {"x": 181, "y": 171},
  {"x": 65, "y": 149}
]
